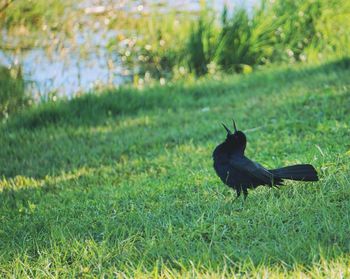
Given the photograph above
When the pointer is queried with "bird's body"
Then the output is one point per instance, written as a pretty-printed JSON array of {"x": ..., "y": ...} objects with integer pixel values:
[{"x": 241, "y": 173}]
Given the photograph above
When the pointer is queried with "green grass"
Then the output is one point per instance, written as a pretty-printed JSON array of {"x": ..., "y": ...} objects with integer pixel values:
[{"x": 122, "y": 183}]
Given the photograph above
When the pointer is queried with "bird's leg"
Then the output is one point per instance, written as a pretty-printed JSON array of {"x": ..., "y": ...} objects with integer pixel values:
[
  {"x": 238, "y": 190},
  {"x": 245, "y": 193}
]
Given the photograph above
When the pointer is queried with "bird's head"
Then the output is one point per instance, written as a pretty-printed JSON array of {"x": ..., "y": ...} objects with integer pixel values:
[{"x": 236, "y": 141}]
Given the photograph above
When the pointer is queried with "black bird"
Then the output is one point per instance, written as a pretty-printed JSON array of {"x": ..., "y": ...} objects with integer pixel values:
[{"x": 241, "y": 173}]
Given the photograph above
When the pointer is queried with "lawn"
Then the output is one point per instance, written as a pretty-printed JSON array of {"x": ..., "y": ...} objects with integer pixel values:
[{"x": 122, "y": 184}]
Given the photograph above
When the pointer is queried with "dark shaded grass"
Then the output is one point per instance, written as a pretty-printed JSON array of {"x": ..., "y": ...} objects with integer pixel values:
[{"x": 92, "y": 109}]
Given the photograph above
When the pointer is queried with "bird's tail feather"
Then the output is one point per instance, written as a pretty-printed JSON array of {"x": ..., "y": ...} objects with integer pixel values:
[{"x": 303, "y": 172}]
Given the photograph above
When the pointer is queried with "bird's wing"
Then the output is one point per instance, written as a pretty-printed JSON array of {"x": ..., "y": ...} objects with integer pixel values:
[{"x": 252, "y": 169}]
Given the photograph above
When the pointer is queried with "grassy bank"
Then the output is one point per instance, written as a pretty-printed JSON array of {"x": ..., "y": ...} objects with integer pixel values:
[
  {"x": 122, "y": 183},
  {"x": 174, "y": 45}
]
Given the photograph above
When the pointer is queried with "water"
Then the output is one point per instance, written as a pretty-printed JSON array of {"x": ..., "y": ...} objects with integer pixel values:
[
  {"x": 84, "y": 63},
  {"x": 80, "y": 65},
  {"x": 70, "y": 72}
]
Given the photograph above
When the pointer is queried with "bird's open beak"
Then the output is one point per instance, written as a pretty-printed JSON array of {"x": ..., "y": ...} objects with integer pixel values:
[
  {"x": 227, "y": 129},
  {"x": 234, "y": 125}
]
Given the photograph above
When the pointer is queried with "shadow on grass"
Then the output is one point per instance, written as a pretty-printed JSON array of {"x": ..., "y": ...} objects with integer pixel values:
[
  {"x": 94, "y": 109},
  {"x": 55, "y": 150}
]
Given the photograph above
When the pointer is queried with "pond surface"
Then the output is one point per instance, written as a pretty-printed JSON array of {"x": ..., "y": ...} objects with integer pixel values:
[{"x": 70, "y": 70}]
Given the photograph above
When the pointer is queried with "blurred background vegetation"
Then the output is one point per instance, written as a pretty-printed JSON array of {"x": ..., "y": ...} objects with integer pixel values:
[{"x": 102, "y": 44}]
